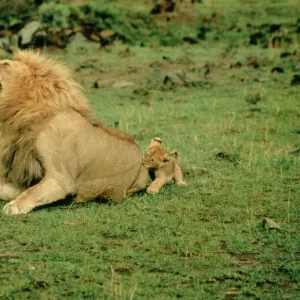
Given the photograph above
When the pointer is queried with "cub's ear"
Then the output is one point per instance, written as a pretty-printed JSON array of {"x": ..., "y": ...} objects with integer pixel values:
[
  {"x": 156, "y": 139},
  {"x": 175, "y": 154}
]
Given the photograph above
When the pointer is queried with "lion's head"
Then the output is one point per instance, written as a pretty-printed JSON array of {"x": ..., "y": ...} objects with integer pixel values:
[
  {"x": 34, "y": 87},
  {"x": 156, "y": 156}
]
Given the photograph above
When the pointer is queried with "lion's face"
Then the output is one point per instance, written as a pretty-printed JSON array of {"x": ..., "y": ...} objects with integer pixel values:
[
  {"x": 7, "y": 67},
  {"x": 155, "y": 159},
  {"x": 11, "y": 71},
  {"x": 4, "y": 70}
]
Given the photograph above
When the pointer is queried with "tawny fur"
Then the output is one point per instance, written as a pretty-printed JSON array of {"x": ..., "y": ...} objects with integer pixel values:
[
  {"x": 50, "y": 88},
  {"x": 35, "y": 90},
  {"x": 162, "y": 166}
]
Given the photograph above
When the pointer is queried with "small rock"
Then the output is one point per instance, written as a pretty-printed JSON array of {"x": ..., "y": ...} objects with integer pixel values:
[
  {"x": 26, "y": 34},
  {"x": 270, "y": 224}
]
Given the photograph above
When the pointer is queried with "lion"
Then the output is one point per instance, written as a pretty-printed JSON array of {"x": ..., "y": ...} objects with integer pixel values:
[
  {"x": 52, "y": 145},
  {"x": 162, "y": 166}
]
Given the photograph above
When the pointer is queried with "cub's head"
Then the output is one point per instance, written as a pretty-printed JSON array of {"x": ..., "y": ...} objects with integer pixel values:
[{"x": 156, "y": 156}]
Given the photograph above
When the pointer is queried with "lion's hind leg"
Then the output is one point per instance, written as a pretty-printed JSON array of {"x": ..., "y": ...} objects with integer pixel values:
[
  {"x": 178, "y": 176},
  {"x": 47, "y": 191}
]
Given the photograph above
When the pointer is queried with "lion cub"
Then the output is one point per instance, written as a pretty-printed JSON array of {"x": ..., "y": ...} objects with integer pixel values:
[{"x": 162, "y": 166}]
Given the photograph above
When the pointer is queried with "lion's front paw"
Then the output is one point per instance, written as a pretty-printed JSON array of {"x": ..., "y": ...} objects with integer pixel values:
[
  {"x": 152, "y": 190},
  {"x": 181, "y": 183},
  {"x": 13, "y": 208}
]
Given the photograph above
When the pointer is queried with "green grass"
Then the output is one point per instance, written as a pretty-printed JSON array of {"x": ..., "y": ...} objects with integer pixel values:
[{"x": 199, "y": 242}]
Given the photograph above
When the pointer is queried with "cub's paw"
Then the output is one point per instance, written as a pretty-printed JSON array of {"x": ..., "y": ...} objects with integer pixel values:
[
  {"x": 181, "y": 183},
  {"x": 152, "y": 190},
  {"x": 13, "y": 208}
]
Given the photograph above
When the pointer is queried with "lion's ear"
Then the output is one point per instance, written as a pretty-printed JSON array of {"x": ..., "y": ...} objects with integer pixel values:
[{"x": 156, "y": 139}]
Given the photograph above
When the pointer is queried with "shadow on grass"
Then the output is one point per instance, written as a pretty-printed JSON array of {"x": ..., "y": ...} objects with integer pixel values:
[{"x": 68, "y": 202}]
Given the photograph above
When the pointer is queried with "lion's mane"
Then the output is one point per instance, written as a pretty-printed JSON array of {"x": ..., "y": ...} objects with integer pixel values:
[{"x": 34, "y": 90}]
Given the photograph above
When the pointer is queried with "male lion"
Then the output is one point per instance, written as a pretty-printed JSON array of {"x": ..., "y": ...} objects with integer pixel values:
[
  {"x": 162, "y": 166},
  {"x": 52, "y": 146}
]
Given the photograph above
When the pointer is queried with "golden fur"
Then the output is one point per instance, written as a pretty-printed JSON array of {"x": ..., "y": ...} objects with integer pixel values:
[
  {"x": 38, "y": 93},
  {"x": 49, "y": 88},
  {"x": 162, "y": 166}
]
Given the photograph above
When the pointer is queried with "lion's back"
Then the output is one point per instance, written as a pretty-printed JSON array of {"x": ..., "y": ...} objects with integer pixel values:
[{"x": 96, "y": 157}]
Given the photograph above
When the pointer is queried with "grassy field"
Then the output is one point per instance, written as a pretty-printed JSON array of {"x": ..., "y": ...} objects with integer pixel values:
[{"x": 224, "y": 107}]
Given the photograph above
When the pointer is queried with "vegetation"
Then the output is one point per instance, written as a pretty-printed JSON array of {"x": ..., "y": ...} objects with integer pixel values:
[{"x": 224, "y": 99}]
